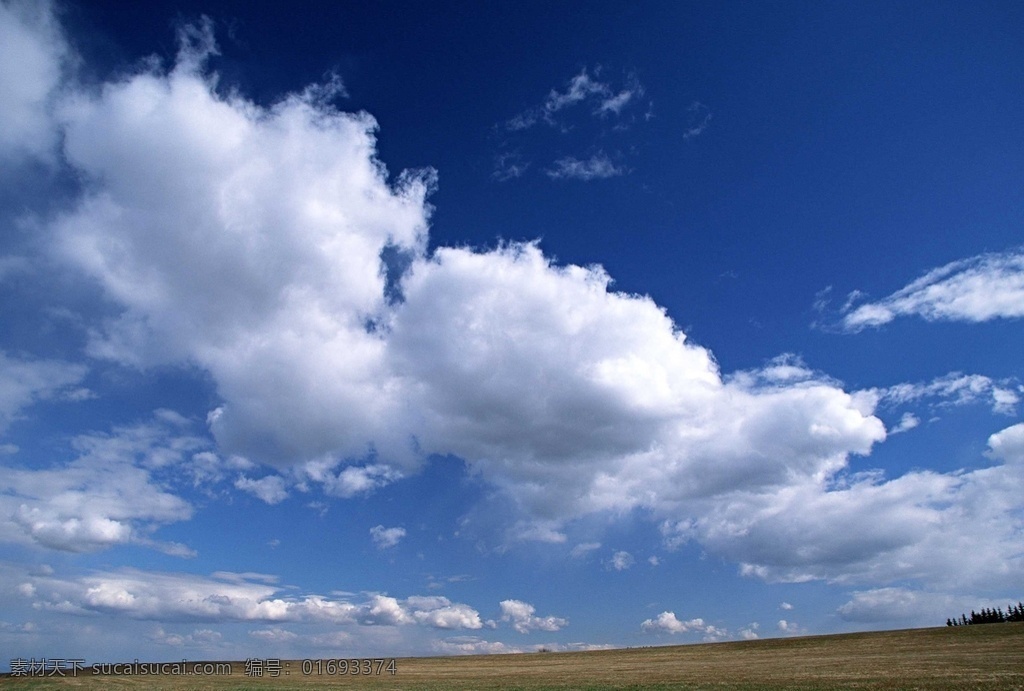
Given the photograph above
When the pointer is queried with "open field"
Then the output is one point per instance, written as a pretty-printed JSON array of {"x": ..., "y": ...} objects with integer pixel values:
[{"x": 983, "y": 657}]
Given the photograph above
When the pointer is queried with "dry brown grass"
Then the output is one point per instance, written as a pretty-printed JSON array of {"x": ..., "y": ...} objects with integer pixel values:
[{"x": 970, "y": 657}]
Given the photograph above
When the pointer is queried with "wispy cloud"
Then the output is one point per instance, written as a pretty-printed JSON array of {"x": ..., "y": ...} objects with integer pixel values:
[
  {"x": 955, "y": 389},
  {"x": 587, "y": 110},
  {"x": 978, "y": 289},
  {"x": 596, "y": 167},
  {"x": 698, "y": 118}
]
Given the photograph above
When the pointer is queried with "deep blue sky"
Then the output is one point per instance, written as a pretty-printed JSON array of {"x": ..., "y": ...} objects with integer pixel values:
[{"x": 758, "y": 376}]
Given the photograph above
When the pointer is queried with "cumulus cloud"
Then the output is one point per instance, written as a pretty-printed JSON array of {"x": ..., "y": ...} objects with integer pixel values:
[
  {"x": 240, "y": 238},
  {"x": 245, "y": 239},
  {"x": 33, "y": 56},
  {"x": 914, "y": 527},
  {"x": 789, "y": 628},
  {"x": 667, "y": 622},
  {"x": 521, "y": 615},
  {"x": 108, "y": 495},
  {"x": 386, "y": 537},
  {"x": 978, "y": 289}
]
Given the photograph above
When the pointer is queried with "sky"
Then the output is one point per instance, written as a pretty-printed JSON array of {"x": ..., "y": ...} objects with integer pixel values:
[{"x": 376, "y": 329}]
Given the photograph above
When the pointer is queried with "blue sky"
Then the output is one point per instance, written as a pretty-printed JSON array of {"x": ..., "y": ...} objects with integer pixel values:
[{"x": 395, "y": 328}]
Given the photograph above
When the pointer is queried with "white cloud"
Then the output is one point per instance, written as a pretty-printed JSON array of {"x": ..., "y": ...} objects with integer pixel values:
[
  {"x": 666, "y": 622},
  {"x": 106, "y": 496},
  {"x": 33, "y": 55},
  {"x": 270, "y": 226},
  {"x": 785, "y": 606},
  {"x": 521, "y": 615},
  {"x": 621, "y": 561},
  {"x": 270, "y": 489},
  {"x": 978, "y": 289},
  {"x": 596, "y": 167},
  {"x": 228, "y": 597},
  {"x": 473, "y": 645},
  {"x": 908, "y": 422},
  {"x": 954, "y": 389},
  {"x": 27, "y": 381},
  {"x": 386, "y": 537},
  {"x": 789, "y": 628},
  {"x": 246, "y": 239},
  {"x": 914, "y": 527},
  {"x": 441, "y": 613}
]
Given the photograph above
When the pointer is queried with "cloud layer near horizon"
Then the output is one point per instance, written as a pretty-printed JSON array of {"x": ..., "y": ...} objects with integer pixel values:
[{"x": 251, "y": 241}]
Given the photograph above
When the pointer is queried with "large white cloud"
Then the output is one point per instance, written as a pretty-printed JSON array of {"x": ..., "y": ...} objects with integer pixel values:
[
  {"x": 945, "y": 530},
  {"x": 252, "y": 242},
  {"x": 246, "y": 240},
  {"x": 981, "y": 288}
]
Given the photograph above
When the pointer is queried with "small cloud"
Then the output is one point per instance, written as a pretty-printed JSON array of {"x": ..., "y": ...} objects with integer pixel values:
[
  {"x": 749, "y": 633},
  {"x": 621, "y": 561},
  {"x": 269, "y": 489},
  {"x": 386, "y": 537},
  {"x": 698, "y": 119},
  {"x": 520, "y": 615},
  {"x": 666, "y": 622},
  {"x": 786, "y": 606},
  {"x": 598, "y": 166},
  {"x": 908, "y": 422},
  {"x": 509, "y": 165},
  {"x": 653, "y": 561},
  {"x": 789, "y": 628}
]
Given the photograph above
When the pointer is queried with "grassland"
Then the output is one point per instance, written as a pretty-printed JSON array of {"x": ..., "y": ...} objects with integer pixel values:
[{"x": 969, "y": 657}]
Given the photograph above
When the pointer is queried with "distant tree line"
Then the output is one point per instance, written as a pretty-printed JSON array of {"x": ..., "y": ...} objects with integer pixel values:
[{"x": 989, "y": 616}]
